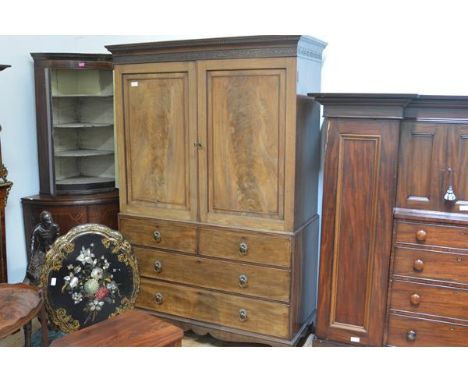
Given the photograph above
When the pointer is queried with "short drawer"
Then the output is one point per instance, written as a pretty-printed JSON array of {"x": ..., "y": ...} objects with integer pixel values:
[
  {"x": 251, "y": 280},
  {"x": 159, "y": 234},
  {"x": 429, "y": 299},
  {"x": 244, "y": 313},
  {"x": 411, "y": 331},
  {"x": 431, "y": 265},
  {"x": 432, "y": 235},
  {"x": 246, "y": 246}
]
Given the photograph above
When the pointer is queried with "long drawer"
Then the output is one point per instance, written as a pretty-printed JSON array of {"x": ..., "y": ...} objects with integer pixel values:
[
  {"x": 432, "y": 235},
  {"x": 246, "y": 246},
  {"x": 159, "y": 234},
  {"x": 411, "y": 331},
  {"x": 429, "y": 299},
  {"x": 431, "y": 265},
  {"x": 244, "y": 313},
  {"x": 246, "y": 279}
]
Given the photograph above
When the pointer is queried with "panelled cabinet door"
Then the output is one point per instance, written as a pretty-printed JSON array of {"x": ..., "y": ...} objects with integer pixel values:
[
  {"x": 423, "y": 164},
  {"x": 457, "y": 141},
  {"x": 242, "y": 126},
  {"x": 359, "y": 190},
  {"x": 158, "y": 134}
]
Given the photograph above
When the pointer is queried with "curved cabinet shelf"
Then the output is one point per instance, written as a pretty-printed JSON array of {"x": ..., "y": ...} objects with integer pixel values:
[
  {"x": 82, "y": 96},
  {"x": 84, "y": 180},
  {"x": 81, "y": 125},
  {"x": 82, "y": 153}
]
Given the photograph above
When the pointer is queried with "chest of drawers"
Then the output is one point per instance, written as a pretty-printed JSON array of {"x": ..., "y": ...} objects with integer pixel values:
[
  {"x": 428, "y": 294},
  {"x": 221, "y": 280}
]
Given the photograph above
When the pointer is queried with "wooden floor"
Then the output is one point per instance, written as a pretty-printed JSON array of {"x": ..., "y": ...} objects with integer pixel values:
[{"x": 190, "y": 340}]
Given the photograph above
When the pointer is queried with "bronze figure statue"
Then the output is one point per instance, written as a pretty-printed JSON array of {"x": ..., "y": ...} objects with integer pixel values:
[{"x": 43, "y": 236}]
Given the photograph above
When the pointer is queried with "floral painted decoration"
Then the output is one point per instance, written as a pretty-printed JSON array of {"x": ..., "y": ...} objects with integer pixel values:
[{"x": 90, "y": 280}]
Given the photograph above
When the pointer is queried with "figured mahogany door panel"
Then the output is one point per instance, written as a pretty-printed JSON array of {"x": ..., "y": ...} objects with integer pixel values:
[
  {"x": 458, "y": 163},
  {"x": 422, "y": 166},
  {"x": 243, "y": 136},
  {"x": 359, "y": 190},
  {"x": 158, "y": 133}
]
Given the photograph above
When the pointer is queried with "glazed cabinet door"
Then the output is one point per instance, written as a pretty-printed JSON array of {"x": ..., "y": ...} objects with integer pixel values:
[
  {"x": 422, "y": 166},
  {"x": 243, "y": 121},
  {"x": 457, "y": 142},
  {"x": 359, "y": 191},
  {"x": 157, "y": 130}
]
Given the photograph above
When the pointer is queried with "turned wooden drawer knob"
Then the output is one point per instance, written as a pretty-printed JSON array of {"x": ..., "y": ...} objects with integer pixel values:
[
  {"x": 418, "y": 265},
  {"x": 411, "y": 335},
  {"x": 415, "y": 299},
  {"x": 421, "y": 235}
]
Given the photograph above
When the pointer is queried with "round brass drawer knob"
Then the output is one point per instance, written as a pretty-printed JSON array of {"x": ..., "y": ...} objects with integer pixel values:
[
  {"x": 243, "y": 281},
  {"x": 411, "y": 335},
  {"x": 243, "y": 315},
  {"x": 415, "y": 299},
  {"x": 158, "y": 266},
  {"x": 158, "y": 297},
  {"x": 418, "y": 265},
  {"x": 421, "y": 235},
  {"x": 243, "y": 248},
  {"x": 157, "y": 236}
]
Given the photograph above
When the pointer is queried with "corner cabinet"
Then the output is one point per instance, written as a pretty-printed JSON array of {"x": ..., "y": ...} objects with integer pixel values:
[
  {"x": 219, "y": 169},
  {"x": 393, "y": 246},
  {"x": 75, "y": 141},
  {"x": 75, "y": 123}
]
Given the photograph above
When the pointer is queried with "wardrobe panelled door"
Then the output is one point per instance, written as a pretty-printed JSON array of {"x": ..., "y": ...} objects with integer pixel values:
[
  {"x": 244, "y": 133},
  {"x": 159, "y": 107},
  {"x": 392, "y": 261},
  {"x": 421, "y": 171},
  {"x": 356, "y": 229},
  {"x": 433, "y": 159},
  {"x": 218, "y": 188},
  {"x": 457, "y": 142}
]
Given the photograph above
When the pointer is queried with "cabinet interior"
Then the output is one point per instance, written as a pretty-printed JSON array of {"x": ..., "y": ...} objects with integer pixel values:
[{"x": 83, "y": 129}]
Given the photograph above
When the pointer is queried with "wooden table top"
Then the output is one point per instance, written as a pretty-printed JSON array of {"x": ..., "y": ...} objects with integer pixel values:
[
  {"x": 19, "y": 304},
  {"x": 132, "y": 328}
]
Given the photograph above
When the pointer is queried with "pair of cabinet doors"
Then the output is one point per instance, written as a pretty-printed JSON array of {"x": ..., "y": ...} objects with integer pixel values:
[
  {"x": 432, "y": 158},
  {"x": 205, "y": 140}
]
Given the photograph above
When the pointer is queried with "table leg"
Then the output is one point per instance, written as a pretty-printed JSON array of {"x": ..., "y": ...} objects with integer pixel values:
[
  {"x": 44, "y": 328},
  {"x": 27, "y": 334}
]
